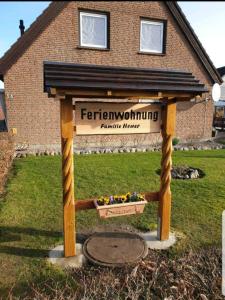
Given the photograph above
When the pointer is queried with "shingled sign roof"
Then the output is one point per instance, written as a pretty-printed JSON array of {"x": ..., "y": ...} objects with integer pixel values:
[
  {"x": 48, "y": 15},
  {"x": 80, "y": 76}
]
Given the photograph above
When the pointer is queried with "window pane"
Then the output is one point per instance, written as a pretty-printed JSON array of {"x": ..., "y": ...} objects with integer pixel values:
[
  {"x": 93, "y": 30},
  {"x": 151, "y": 36}
]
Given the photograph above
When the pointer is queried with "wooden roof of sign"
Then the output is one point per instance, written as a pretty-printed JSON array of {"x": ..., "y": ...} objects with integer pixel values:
[
  {"x": 53, "y": 10},
  {"x": 85, "y": 80}
]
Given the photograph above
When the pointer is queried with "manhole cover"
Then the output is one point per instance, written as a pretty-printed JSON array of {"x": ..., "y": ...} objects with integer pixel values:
[{"x": 115, "y": 248}]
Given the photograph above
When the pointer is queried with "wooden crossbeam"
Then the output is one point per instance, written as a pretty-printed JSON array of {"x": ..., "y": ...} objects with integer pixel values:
[{"x": 120, "y": 94}]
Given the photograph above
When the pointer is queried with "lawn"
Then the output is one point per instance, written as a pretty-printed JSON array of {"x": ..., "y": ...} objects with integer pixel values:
[{"x": 31, "y": 209}]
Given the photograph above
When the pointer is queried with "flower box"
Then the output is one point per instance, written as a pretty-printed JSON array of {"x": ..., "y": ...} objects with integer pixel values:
[{"x": 120, "y": 209}]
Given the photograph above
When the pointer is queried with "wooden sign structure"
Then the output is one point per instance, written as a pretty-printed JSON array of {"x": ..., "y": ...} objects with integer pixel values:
[{"x": 65, "y": 81}]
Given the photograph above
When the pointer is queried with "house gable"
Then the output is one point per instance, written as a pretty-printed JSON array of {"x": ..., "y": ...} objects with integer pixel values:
[
  {"x": 30, "y": 35},
  {"x": 36, "y": 116}
]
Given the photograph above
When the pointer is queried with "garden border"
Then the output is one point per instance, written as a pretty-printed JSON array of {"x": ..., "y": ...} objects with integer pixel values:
[{"x": 23, "y": 152}]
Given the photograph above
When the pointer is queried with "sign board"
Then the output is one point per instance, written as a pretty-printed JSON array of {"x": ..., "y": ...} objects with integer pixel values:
[{"x": 116, "y": 118}]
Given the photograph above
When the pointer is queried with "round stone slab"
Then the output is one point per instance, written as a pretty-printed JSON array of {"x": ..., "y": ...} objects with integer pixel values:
[{"x": 115, "y": 248}]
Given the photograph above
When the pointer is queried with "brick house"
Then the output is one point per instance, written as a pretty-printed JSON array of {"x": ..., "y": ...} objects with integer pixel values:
[{"x": 142, "y": 34}]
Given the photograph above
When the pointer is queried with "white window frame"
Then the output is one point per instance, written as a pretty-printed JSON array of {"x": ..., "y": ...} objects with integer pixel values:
[
  {"x": 150, "y": 22},
  {"x": 95, "y": 15}
]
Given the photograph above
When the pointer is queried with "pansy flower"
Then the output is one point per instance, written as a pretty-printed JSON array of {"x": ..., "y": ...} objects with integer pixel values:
[{"x": 111, "y": 199}]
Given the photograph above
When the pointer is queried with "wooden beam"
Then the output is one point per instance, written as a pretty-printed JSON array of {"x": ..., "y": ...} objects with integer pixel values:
[
  {"x": 89, "y": 93},
  {"x": 53, "y": 91},
  {"x": 168, "y": 130},
  {"x": 85, "y": 204},
  {"x": 67, "y": 128},
  {"x": 152, "y": 196}
]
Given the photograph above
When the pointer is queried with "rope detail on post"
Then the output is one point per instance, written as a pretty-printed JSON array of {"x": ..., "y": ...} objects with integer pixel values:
[
  {"x": 67, "y": 153},
  {"x": 166, "y": 165}
]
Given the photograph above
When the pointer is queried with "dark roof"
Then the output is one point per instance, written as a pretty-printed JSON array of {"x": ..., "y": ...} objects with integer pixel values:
[
  {"x": 79, "y": 76},
  {"x": 221, "y": 71},
  {"x": 11, "y": 56}
]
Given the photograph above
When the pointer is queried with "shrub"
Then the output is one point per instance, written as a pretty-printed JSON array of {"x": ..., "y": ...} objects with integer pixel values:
[
  {"x": 6, "y": 157},
  {"x": 175, "y": 141}
]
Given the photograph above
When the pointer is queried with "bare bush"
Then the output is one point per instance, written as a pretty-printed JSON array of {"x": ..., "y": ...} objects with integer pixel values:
[
  {"x": 6, "y": 157},
  {"x": 194, "y": 276}
]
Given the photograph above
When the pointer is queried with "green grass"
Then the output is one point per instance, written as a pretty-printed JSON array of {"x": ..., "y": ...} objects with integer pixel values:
[{"x": 31, "y": 210}]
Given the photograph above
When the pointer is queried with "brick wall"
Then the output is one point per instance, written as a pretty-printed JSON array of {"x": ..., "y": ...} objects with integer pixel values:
[{"x": 36, "y": 117}]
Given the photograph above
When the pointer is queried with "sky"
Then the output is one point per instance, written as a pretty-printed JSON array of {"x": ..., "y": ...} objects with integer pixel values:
[{"x": 207, "y": 18}]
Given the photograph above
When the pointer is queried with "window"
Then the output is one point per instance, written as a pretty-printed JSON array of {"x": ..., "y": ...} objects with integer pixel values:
[
  {"x": 93, "y": 30},
  {"x": 152, "y": 35}
]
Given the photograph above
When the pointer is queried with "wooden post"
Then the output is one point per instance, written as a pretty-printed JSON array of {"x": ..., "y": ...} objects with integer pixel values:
[
  {"x": 67, "y": 128},
  {"x": 164, "y": 210}
]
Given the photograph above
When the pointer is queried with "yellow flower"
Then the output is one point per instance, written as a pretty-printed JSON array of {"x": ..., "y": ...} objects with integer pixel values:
[
  {"x": 100, "y": 201},
  {"x": 128, "y": 195},
  {"x": 116, "y": 197},
  {"x": 140, "y": 197},
  {"x": 106, "y": 200},
  {"x": 123, "y": 198}
]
